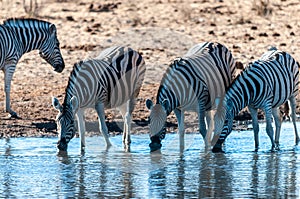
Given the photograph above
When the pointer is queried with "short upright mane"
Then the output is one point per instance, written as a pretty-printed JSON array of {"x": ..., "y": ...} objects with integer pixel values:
[
  {"x": 73, "y": 74},
  {"x": 164, "y": 79},
  {"x": 24, "y": 22}
]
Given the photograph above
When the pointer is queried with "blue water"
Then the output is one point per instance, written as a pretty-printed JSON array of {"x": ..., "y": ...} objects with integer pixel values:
[{"x": 32, "y": 168}]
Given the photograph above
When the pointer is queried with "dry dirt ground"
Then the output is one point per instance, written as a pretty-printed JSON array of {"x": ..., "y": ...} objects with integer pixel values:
[{"x": 160, "y": 29}]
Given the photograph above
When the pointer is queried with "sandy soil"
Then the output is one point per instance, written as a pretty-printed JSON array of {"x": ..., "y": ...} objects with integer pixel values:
[{"x": 160, "y": 29}]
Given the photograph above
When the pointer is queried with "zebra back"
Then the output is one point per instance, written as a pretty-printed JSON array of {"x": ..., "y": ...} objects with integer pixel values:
[
  {"x": 219, "y": 53},
  {"x": 113, "y": 77},
  {"x": 26, "y": 29}
]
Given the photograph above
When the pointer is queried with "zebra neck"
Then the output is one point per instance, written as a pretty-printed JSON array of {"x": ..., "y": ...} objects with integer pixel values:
[
  {"x": 29, "y": 38},
  {"x": 71, "y": 92},
  {"x": 173, "y": 103},
  {"x": 238, "y": 101}
]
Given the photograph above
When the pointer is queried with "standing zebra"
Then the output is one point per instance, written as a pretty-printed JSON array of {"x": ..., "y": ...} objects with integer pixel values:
[
  {"x": 113, "y": 79},
  {"x": 19, "y": 36},
  {"x": 193, "y": 83},
  {"x": 265, "y": 84}
]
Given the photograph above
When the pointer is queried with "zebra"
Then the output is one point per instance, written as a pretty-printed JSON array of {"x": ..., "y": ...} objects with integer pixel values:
[
  {"x": 265, "y": 84},
  {"x": 21, "y": 35},
  {"x": 111, "y": 80},
  {"x": 194, "y": 82}
]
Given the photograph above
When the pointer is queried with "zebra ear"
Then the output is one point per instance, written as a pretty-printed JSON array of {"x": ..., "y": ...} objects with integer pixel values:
[
  {"x": 74, "y": 103},
  {"x": 52, "y": 29},
  {"x": 165, "y": 104},
  {"x": 149, "y": 104},
  {"x": 56, "y": 104}
]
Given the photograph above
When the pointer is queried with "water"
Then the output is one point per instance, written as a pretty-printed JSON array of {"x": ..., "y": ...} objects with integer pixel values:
[{"x": 31, "y": 168}]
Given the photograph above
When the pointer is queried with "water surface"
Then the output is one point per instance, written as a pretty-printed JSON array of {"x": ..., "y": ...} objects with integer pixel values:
[{"x": 31, "y": 168}]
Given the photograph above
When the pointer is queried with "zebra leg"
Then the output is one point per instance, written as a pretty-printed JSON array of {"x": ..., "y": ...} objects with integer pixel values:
[
  {"x": 293, "y": 108},
  {"x": 180, "y": 119},
  {"x": 202, "y": 124},
  {"x": 8, "y": 74},
  {"x": 102, "y": 126},
  {"x": 275, "y": 113},
  {"x": 81, "y": 128},
  {"x": 211, "y": 126},
  {"x": 126, "y": 111},
  {"x": 269, "y": 128},
  {"x": 255, "y": 125}
]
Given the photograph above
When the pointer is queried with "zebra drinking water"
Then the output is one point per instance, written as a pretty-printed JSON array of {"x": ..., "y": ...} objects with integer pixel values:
[
  {"x": 19, "y": 36},
  {"x": 265, "y": 84},
  {"x": 113, "y": 79},
  {"x": 192, "y": 83}
]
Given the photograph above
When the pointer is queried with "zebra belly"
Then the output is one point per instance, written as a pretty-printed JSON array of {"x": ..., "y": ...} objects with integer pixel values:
[{"x": 123, "y": 90}]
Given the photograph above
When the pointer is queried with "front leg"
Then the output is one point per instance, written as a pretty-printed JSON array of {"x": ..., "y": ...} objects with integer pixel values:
[
  {"x": 253, "y": 112},
  {"x": 102, "y": 126},
  {"x": 8, "y": 74},
  {"x": 81, "y": 128},
  {"x": 202, "y": 125},
  {"x": 180, "y": 119}
]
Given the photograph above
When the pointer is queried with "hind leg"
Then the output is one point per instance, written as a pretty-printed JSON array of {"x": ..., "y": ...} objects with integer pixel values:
[
  {"x": 293, "y": 108},
  {"x": 277, "y": 119},
  {"x": 126, "y": 111},
  {"x": 211, "y": 126}
]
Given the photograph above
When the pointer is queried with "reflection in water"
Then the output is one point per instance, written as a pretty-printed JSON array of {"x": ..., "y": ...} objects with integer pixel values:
[
  {"x": 157, "y": 176},
  {"x": 32, "y": 168},
  {"x": 7, "y": 168}
]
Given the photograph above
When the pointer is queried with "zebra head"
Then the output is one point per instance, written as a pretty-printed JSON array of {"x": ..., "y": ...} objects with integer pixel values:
[
  {"x": 158, "y": 117},
  {"x": 224, "y": 112},
  {"x": 65, "y": 122},
  {"x": 50, "y": 50}
]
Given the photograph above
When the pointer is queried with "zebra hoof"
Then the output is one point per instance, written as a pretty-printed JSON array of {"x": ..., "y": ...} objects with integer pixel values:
[
  {"x": 14, "y": 115},
  {"x": 217, "y": 150},
  {"x": 154, "y": 146}
]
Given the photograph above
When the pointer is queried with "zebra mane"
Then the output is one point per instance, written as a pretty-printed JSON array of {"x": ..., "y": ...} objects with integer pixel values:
[
  {"x": 163, "y": 79},
  {"x": 73, "y": 74},
  {"x": 24, "y": 22}
]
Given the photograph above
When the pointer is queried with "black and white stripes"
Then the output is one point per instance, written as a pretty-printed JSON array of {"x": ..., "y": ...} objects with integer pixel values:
[
  {"x": 194, "y": 82},
  {"x": 19, "y": 36},
  {"x": 111, "y": 80},
  {"x": 265, "y": 84}
]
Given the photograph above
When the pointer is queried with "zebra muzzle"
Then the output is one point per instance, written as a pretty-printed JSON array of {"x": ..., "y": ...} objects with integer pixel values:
[
  {"x": 156, "y": 142},
  {"x": 59, "y": 68}
]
